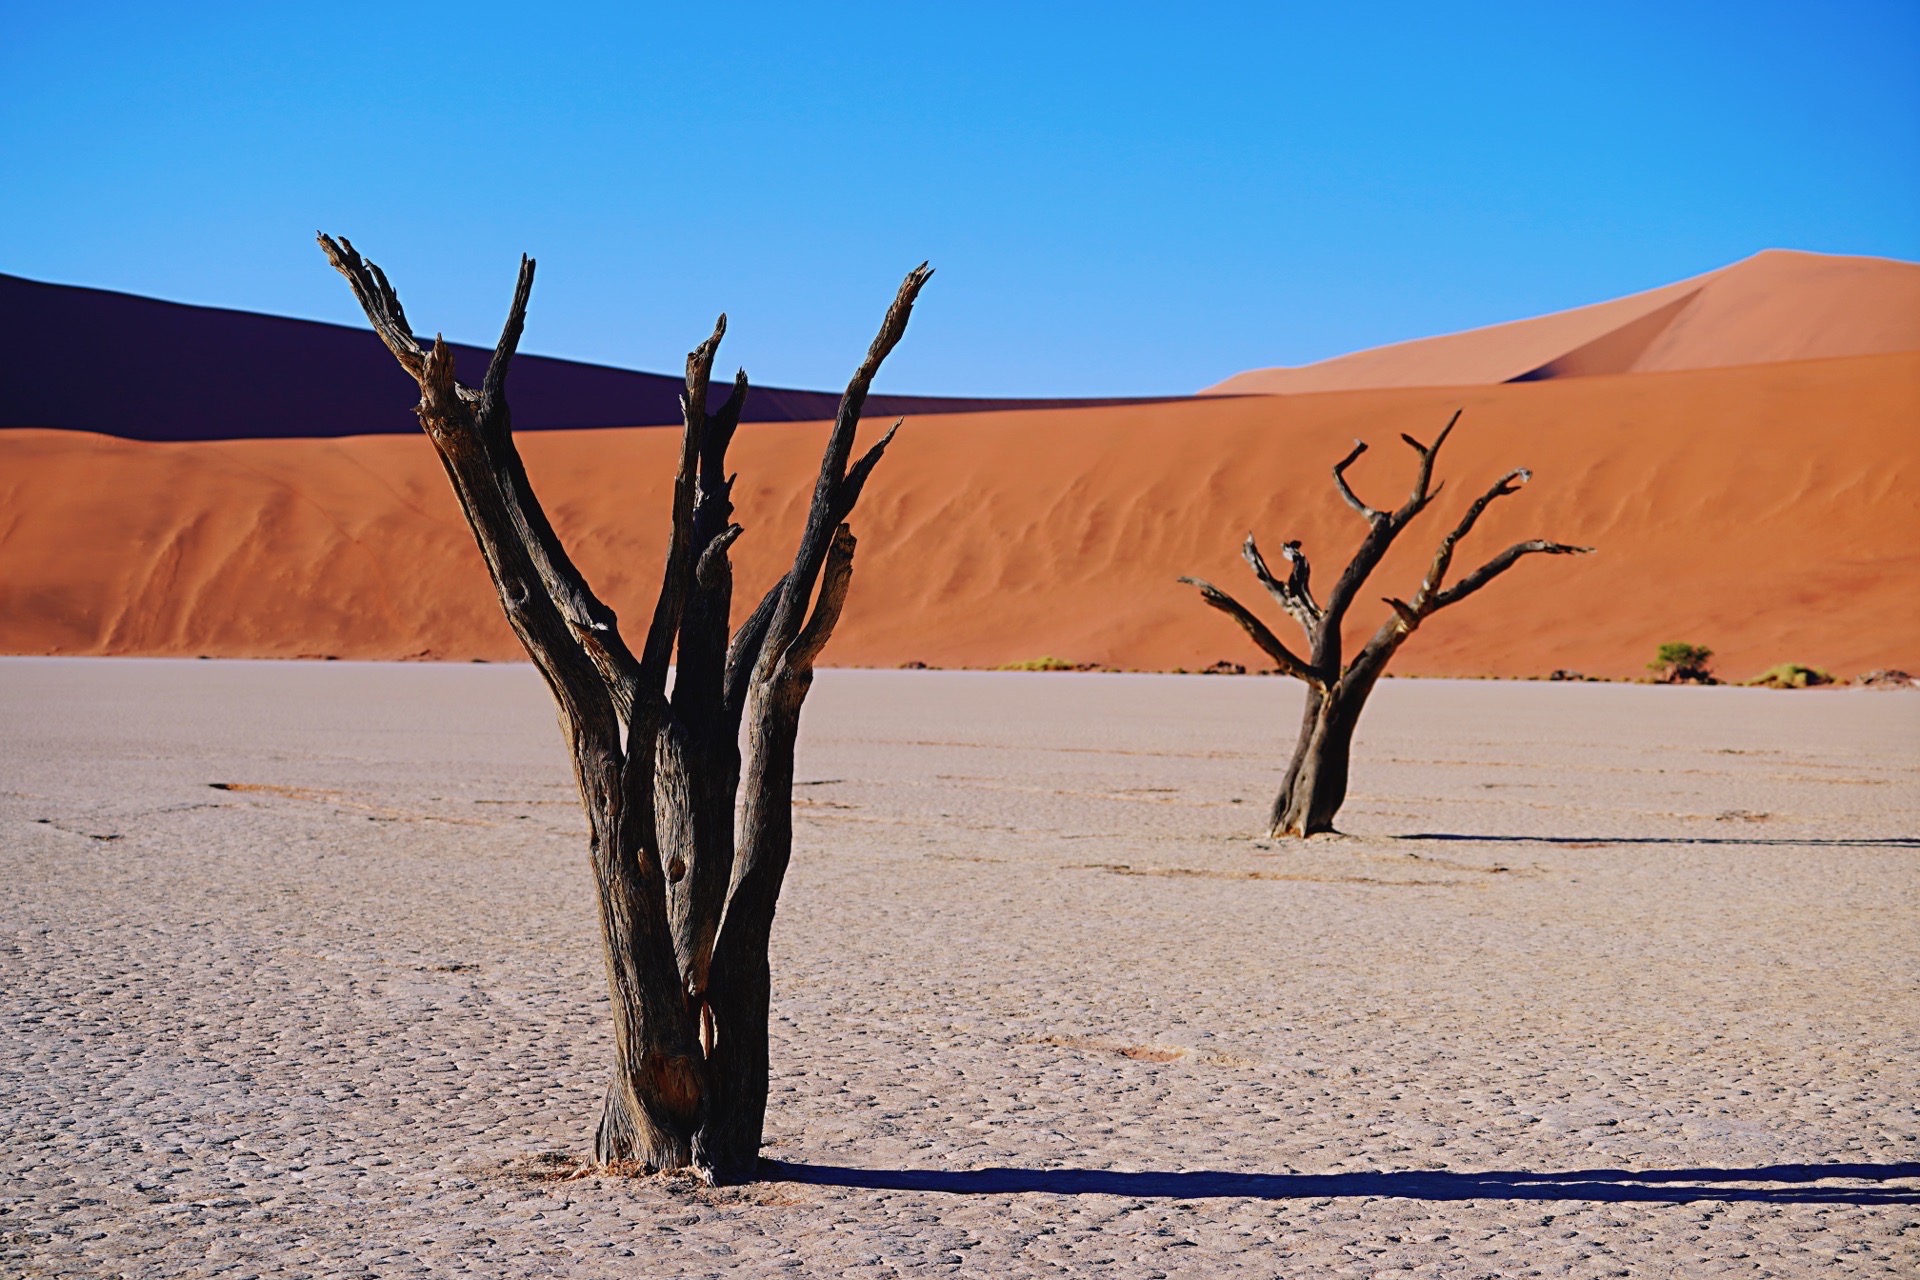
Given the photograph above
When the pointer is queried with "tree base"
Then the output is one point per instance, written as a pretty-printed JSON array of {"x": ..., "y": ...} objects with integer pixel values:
[{"x": 625, "y": 1140}]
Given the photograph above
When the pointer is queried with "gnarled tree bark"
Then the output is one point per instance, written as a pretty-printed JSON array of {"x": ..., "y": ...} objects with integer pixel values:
[
  {"x": 686, "y": 897},
  {"x": 1315, "y": 785}
]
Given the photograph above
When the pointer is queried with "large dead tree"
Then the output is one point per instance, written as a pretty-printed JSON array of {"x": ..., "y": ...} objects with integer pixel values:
[
  {"x": 686, "y": 892},
  {"x": 1316, "y": 781}
]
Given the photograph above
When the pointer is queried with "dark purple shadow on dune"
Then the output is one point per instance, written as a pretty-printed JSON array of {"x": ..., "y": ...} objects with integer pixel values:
[
  {"x": 1663, "y": 1186},
  {"x": 117, "y": 363}
]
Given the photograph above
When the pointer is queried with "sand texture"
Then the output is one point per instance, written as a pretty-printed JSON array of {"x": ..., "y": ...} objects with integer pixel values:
[
  {"x": 1767, "y": 512},
  {"x": 1607, "y": 980},
  {"x": 1777, "y": 305}
]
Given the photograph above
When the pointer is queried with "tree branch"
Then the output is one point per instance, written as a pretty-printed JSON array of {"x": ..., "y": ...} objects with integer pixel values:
[
  {"x": 857, "y": 474},
  {"x": 1422, "y": 492},
  {"x": 1385, "y": 528},
  {"x": 1346, "y": 490},
  {"x": 1500, "y": 564},
  {"x": 1443, "y": 556},
  {"x": 743, "y": 655},
  {"x": 493, "y": 389},
  {"x": 541, "y": 596},
  {"x": 1294, "y": 595},
  {"x": 378, "y": 299},
  {"x": 830, "y": 502},
  {"x": 835, "y": 577},
  {"x": 676, "y": 582},
  {"x": 1269, "y": 643},
  {"x": 473, "y": 436}
]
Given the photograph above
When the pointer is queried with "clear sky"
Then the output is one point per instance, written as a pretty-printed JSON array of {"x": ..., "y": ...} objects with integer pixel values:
[{"x": 1119, "y": 199}]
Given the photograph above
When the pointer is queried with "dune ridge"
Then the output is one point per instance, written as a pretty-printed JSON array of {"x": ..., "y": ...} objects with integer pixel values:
[
  {"x": 1778, "y": 305},
  {"x": 1767, "y": 511}
]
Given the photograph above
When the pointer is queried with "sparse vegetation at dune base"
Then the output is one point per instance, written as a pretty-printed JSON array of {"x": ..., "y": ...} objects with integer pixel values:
[
  {"x": 1680, "y": 663},
  {"x": 1047, "y": 663},
  {"x": 1791, "y": 675}
]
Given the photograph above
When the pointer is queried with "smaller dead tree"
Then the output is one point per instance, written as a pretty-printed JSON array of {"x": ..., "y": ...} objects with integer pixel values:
[
  {"x": 1316, "y": 780},
  {"x": 686, "y": 889}
]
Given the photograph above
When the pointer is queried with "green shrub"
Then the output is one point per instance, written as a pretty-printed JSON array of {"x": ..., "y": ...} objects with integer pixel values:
[
  {"x": 1791, "y": 675},
  {"x": 1677, "y": 663}
]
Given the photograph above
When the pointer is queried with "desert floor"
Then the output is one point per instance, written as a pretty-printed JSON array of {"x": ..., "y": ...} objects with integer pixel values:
[{"x": 1607, "y": 980}]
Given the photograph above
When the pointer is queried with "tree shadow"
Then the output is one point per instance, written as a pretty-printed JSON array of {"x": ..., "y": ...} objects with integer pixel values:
[
  {"x": 1659, "y": 1186},
  {"x": 1588, "y": 842}
]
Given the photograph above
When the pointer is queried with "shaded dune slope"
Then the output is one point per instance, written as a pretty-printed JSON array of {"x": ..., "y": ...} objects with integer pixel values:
[
  {"x": 95, "y": 360},
  {"x": 1774, "y": 306},
  {"x": 1767, "y": 511}
]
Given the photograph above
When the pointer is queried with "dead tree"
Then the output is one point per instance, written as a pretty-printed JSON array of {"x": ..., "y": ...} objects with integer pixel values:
[
  {"x": 686, "y": 896},
  {"x": 1316, "y": 781}
]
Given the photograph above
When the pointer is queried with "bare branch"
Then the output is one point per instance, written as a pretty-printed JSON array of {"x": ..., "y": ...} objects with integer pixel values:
[
  {"x": 830, "y": 505},
  {"x": 714, "y": 557},
  {"x": 743, "y": 655},
  {"x": 493, "y": 389},
  {"x": 475, "y": 442},
  {"x": 721, "y": 424},
  {"x": 1443, "y": 555},
  {"x": 439, "y": 389},
  {"x": 1386, "y": 527},
  {"x": 835, "y": 577},
  {"x": 1269, "y": 643},
  {"x": 1423, "y": 492},
  {"x": 1293, "y": 595},
  {"x": 546, "y": 603},
  {"x": 1346, "y": 490},
  {"x": 857, "y": 474},
  {"x": 378, "y": 299},
  {"x": 1500, "y": 564},
  {"x": 677, "y": 579}
]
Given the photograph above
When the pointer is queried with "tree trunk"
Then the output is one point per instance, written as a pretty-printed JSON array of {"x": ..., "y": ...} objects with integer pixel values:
[
  {"x": 738, "y": 1058},
  {"x": 1316, "y": 781}
]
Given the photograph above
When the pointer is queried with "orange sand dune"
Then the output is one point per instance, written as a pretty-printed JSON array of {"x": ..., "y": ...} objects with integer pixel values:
[
  {"x": 1774, "y": 306},
  {"x": 1769, "y": 512}
]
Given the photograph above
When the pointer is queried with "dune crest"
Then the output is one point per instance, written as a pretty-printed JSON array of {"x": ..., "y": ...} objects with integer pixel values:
[{"x": 1776, "y": 306}]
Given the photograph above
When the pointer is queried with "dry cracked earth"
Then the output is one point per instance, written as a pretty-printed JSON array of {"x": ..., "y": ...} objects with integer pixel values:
[{"x": 300, "y": 980}]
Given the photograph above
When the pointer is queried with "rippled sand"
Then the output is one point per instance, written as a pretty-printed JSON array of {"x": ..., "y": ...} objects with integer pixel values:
[{"x": 1607, "y": 980}]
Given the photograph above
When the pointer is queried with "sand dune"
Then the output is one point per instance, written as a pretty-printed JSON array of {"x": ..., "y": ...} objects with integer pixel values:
[
  {"x": 1774, "y": 306},
  {"x": 1766, "y": 511}
]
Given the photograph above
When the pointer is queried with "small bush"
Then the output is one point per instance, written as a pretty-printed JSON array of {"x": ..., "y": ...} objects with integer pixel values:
[
  {"x": 1677, "y": 663},
  {"x": 1791, "y": 675},
  {"x": 1048, "y": 663}
]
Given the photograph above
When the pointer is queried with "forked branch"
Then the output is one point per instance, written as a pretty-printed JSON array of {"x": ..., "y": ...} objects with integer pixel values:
[
  {"x": 1423, "y": 488},
  {"x": 677, "y": 580},
  {"x": 1500, "y": 564},
  {"x": 378, "y": 299},
  {"x": 472, "y": 433},
  {"x": 1443, "y": 555},
  {"x": 835, "y": 490},
  {"x": 1346, "y": 490},
  {"x": 835, "y": 578},
  {"x": 1289, "y": 662},
  {"x": 1295, "y": 595},
  {"x": 493, "y": 403}
]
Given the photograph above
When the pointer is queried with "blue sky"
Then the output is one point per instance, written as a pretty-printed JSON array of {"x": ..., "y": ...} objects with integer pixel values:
[{"x": 1119, "y": 199}]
